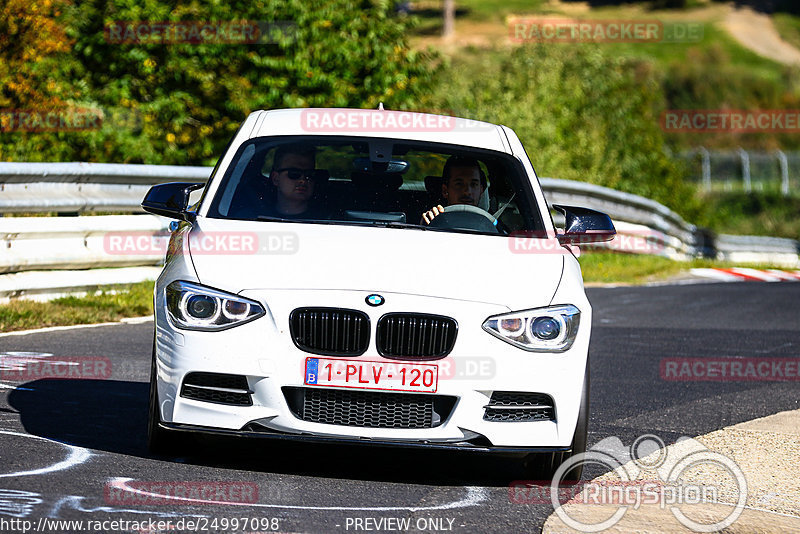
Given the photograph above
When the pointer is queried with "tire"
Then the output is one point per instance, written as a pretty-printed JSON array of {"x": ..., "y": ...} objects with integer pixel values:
[
  {"x": 538, "y": 466},
  {"x": 160, "y": 441}
]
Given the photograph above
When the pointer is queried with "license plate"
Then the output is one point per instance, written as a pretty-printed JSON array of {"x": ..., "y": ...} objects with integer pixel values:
[{"x": 391, "y": 376}]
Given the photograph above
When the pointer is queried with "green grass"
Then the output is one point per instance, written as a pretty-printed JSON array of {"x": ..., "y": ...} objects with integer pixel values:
[
  {"x": 768, "y": 214},
  {"x": 136, "y": 300},
  {"x": 481, "y": 12},
  {"x": 788, "y": 27},
  {"x": 613, "y": 267},
  {"x": 129, "y": 301},
  {"x": 610, "y": 267},
  {"x": 664, "y": 54}
]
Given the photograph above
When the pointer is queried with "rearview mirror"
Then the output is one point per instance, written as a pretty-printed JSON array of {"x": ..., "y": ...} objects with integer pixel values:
[
  {"x": 171, "y": 200},
  {"x": 583, "y": 225}
]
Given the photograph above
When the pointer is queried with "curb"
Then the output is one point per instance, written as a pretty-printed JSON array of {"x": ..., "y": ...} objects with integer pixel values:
[
  {"x": 742, "y": 274},
  {"x": 767, "y": 450}
]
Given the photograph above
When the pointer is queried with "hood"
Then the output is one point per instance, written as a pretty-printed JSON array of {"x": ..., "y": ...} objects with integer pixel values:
[{"x": 237, "y": 256}]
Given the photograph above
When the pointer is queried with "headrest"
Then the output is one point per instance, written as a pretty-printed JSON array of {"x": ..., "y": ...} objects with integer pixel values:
[
  {"x": 376, "y": 181},
  {"x": 433, "y": 185}
]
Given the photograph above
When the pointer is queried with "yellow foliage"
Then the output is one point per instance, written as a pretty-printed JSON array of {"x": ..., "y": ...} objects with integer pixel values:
[{"x": 29, "y": 35}]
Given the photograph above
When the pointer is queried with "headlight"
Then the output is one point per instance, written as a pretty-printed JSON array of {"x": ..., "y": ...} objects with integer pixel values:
[
  {"x": 551, "y": 329},
  {"x": 195, "y": 307}
]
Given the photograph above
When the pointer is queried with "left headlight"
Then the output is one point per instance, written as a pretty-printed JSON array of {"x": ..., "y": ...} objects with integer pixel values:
[
  {"x": 195, "y": 307},
  {"x": 551, "y": 329}
]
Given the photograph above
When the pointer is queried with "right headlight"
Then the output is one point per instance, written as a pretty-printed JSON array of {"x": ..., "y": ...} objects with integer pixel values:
[
  {"x": 195, "y": 307},
  {"x": 550, "y": 329}
]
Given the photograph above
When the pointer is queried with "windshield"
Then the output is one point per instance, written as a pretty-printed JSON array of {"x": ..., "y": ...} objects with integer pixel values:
[{"x": 377, "y": 182}]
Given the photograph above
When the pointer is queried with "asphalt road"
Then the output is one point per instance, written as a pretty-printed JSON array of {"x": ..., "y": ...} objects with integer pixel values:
[{"x": 95, "y": 429}]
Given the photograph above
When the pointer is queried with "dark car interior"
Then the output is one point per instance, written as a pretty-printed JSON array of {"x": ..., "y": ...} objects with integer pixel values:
[{"x": 354, "y": 187}]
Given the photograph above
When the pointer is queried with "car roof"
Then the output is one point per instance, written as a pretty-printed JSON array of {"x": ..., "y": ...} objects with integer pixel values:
[{"x": 380, "y": 123}]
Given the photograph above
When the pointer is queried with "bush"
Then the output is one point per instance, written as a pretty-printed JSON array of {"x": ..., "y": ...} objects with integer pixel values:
[
  {"x": 581, "y": 114},
  {"x": 707, "y": 79},
  {"x": 180, "y": 103}
]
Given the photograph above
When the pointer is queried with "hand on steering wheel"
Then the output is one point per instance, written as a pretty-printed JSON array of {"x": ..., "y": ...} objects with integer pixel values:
[
  {"x": 428, "y": 216},
  {"x": 461, "y": 216}
]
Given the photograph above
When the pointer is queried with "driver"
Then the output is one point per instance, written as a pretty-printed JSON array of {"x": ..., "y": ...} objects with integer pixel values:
[{"x": 463, "y": 183}]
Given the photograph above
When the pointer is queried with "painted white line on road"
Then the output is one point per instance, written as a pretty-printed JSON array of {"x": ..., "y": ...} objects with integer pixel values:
[
  {"x": 77, "y": 455},
  {"x": 137, "y": 320},
  {"x": 475, "y": 495},
  {"x": 74, "y": 502},
  {"x": 131, "y": 320},
  {"x": 11, "y": 386}
]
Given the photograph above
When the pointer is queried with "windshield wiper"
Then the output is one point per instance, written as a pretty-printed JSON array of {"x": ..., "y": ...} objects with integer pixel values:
[
  {"x": 382, "y": 224},
  {"x": 270, "y": 218}
]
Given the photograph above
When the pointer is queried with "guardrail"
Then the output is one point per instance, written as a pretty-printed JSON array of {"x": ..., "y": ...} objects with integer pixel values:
[
  {"x": 85, "y": 187},
  {"x": 35, "y": 246}
]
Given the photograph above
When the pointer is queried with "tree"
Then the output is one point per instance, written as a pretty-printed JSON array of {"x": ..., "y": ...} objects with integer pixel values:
[
  {"x": 180, "y": 103},
  {"x": 449, "y": 26}
]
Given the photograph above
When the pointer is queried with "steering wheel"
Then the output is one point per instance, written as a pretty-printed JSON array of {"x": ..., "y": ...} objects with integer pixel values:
[{"x": 465, "y": 217}]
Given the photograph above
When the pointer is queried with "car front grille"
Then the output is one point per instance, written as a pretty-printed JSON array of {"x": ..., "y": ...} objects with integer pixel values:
[
  {"x": 517, "y": 406},
  {"x": 330, "y": 331},
  {"x": 410, "y": 336},
  {"x": 217, "y": 388},
  {"x": 368, "y": 409}
]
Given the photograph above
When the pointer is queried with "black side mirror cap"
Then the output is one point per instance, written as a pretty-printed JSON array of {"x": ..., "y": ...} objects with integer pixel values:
[
  {"x": 584, "y": 225},
  {"x": 171, "y": 200}
]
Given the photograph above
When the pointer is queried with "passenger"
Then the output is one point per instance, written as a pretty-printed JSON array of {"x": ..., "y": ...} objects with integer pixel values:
[{"x": 463, "y": 183}]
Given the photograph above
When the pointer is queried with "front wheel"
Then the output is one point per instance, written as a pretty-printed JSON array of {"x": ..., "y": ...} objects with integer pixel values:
[
  {"x": 159, "y": 440},
  {"x": 539, "y": 466}
]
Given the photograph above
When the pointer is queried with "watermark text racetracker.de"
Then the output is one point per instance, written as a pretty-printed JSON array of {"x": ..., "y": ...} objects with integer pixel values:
[
  {"x": 640, "y": 241},
  {"x": 209, "y": 243},
  {"x": 149, "y": 493},
  {"x": 731, "y": 120},
  {"x": 730, "y": 369},
  {"x": 69, "y": 119},
  {"x": 356, "y": 120},
  {"x": 146, "y": 525},
  {"x": 567, "y": 30},
  {"x": 25, "y": 367},
  {"x": 197, "y": 32}
]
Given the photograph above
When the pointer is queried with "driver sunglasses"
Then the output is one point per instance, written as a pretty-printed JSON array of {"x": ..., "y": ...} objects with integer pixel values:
[{"x": 294, "y": 173}]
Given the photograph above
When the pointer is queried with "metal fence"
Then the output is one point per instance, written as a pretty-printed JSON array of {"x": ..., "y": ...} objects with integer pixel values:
[
  {"x": 744, "y": 170},
  {"x": 47, "y": 256}
]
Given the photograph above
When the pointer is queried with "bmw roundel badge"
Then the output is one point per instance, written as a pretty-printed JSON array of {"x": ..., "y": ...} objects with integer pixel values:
[{"x": 375, "y": 300}]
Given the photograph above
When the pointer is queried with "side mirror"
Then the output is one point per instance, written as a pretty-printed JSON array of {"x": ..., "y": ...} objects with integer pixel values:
[
  {"x": 583, "y": 225},
  {"x": 171, "y": 200}
]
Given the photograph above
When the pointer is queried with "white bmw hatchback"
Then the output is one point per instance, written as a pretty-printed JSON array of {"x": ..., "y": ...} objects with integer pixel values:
[{"x": 373, "y": 277}]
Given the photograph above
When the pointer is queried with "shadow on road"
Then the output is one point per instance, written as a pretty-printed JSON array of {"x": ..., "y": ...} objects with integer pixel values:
[{"x": 111, "y": 416}]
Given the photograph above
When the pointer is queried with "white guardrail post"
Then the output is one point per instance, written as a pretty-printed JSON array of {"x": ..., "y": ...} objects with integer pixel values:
[{"x": 46, "y": 256}]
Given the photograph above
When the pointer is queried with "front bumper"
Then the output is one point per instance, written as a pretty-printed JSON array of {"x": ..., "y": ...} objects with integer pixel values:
[
  {"x": 476, "y": 444},
  {"x": 263, "y": 352}
]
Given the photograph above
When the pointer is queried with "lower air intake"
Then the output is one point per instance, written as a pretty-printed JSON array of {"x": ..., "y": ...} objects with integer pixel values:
[
  {"x": 515, "y": 406},
  {"x": 369, "y": 409},
  {"x": 217, "y": 388}
]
